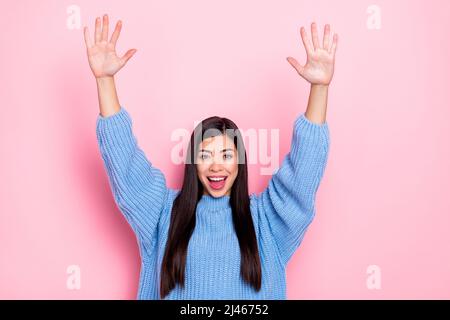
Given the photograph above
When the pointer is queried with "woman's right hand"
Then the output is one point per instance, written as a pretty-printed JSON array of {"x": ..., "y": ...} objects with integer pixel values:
[{"x": 102, "y": 55}]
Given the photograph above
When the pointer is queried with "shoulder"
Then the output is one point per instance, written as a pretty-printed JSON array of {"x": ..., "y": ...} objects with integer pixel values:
[
  {"x": 254, "y": 207},
  {"x": 170, "y": 197}
]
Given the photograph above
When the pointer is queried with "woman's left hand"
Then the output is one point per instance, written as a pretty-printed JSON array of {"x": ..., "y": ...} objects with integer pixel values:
[{"x": 319, "y": 66}]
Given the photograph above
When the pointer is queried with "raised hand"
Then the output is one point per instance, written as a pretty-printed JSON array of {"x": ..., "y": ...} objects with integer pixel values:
[
  {"x": 319, "y": 67},
  {"x": 102, "y": 55}
]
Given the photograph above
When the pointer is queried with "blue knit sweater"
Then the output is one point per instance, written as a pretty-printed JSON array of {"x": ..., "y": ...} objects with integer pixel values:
[{"x": 281, "y": 214}]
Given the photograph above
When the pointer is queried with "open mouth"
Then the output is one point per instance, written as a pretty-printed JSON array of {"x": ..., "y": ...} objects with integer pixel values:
[{"x": 217, "y": 183}]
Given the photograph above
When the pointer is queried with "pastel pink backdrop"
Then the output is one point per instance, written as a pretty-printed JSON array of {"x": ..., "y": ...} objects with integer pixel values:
[{"x": 384, "y": 199}]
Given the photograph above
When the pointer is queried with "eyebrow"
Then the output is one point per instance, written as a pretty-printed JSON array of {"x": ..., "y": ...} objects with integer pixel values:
[{"x": 204, "y": 150}]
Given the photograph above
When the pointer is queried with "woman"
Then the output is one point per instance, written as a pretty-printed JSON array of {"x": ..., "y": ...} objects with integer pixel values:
[{"x": 211, "y": 240}]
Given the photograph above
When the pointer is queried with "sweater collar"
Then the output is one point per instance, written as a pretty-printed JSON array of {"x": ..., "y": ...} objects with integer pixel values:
[
  {"x": 214, "y": 215},
  {"x": 210, "y": 203}
]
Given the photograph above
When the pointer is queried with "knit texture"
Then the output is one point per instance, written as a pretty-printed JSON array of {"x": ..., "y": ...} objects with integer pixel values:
[{"x": 281, "y": 214}]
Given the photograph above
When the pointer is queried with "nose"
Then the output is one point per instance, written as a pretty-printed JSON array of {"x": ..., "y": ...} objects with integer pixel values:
[
  {"x": 215, "y": 167},
  {"x": 217, "y": 160}
]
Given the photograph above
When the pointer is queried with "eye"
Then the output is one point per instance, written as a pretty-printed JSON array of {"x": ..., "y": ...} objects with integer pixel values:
[
  {"x": 203, "y": 156},
  {"x": 228, "y": 156}
]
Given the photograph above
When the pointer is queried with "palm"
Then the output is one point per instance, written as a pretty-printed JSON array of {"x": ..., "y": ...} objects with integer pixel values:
[
  {"x": 319, "y": 67},
  {"x": 102, "y": 55},
  {"x": 104, "y": 60}
]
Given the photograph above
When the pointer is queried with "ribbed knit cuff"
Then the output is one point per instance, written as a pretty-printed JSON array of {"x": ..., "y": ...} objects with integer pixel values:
[
  {"x": 120, "y": 118},
  {"x": 311, "y": 130},
  {"x": 309, "y": 136}
]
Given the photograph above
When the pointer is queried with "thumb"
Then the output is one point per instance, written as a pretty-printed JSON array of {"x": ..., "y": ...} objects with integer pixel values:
[
  {"x": 128, "y": 55},
  {"x": 294, "y": 63}
]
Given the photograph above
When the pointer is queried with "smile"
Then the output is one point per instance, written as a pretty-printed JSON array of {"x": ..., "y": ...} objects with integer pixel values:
[{"x": 217, "y": 183}]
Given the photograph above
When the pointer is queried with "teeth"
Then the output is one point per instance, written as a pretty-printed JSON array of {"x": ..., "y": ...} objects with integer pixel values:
[{"x": 216, "y": 179}]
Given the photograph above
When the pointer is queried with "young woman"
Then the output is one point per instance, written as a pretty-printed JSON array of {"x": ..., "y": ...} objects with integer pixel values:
[{"x": 211, "y": 239}]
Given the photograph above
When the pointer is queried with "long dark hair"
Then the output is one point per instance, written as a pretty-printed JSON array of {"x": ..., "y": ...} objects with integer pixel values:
[{"x": 182, "y": 221}]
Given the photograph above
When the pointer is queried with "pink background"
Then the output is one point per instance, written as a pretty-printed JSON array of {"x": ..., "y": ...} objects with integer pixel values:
[{"x": 384, "y": 199}]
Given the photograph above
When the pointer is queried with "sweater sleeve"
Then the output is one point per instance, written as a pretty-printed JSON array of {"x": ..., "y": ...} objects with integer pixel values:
[
  {"x": 138, "y": 187},
  {"x": 288, "y": 202}
]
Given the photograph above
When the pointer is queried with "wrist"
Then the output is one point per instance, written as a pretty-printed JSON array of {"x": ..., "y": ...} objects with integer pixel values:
[
  {"x": 320, "y": 86},
  {"x": 104, "y": 79}
]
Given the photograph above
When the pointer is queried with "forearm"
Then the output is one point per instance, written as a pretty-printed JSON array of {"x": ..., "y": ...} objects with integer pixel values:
[
  {"x": 317, "y": 104},
  {"x": 107, "y": 96}
]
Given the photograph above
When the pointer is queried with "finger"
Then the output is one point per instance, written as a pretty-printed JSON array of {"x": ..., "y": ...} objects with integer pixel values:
[
  {"x": 116, "y": 33},
  {"x": 334, "y": 45},
  {"x": 87, "y": 38},
  {"x": 315, "y": 37},
  {"x": 128, "y": 55},
  {"x": 98, "y": 35},
  {"x": 326, "y": 38},
  {"x": 308, "y": 47},
  {"x": 294, "y": 63},
  {"x": 105, "y": 28}
]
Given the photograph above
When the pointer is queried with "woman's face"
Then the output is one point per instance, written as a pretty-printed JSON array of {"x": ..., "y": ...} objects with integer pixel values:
[{"x": 217, "y": 159}]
